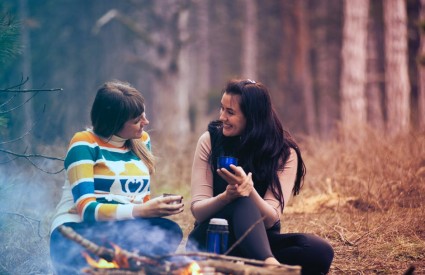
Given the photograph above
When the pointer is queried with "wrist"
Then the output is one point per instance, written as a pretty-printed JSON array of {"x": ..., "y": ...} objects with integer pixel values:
[
  {"x": 224, "y": 197},
  {"x": 139, "y": 211}
]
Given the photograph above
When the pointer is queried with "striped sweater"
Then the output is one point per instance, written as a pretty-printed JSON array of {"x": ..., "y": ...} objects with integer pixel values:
[{"x": 104, "y": 180}]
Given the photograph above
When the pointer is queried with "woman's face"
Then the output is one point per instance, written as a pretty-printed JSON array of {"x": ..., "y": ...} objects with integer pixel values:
[
  {"x": 231, "y": 115},
  {"x": 133, "y": 128}
]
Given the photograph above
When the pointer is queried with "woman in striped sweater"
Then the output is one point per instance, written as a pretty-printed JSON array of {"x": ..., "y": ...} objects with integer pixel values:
[{"x": 106, "y": 196}]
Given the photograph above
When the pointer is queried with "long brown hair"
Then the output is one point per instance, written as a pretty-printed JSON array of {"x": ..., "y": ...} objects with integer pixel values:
[{"x": 115, "y": 103}]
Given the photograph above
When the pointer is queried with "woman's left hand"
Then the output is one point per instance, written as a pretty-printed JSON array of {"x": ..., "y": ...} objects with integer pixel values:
[{"x": 239, "y": 184}]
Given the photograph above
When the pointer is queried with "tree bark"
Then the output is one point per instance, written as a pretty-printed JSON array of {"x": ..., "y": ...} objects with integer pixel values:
[
  {"x": 249, "y": 40},
  {"x": 28, "y": 114},
  {"x": 374, "y": 67},
  {"x": 204, "y": 67},
  {"x": 421, "y": 69},
  {"x": 327, "y": 66},
  {"x": 303, "y": 75},
  {"x": 353, "y": 77},
  {"x": 397, "y": 84}
]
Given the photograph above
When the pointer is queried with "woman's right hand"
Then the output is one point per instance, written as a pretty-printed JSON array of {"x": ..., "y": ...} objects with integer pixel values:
[{"x": 159, "y": 207}]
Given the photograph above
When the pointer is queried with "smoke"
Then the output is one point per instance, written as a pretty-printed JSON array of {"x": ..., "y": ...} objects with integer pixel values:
[{"x": 28, "y": 198}]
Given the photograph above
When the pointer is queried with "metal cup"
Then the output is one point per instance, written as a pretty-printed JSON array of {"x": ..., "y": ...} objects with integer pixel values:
[{"x": 225, "y": 161}]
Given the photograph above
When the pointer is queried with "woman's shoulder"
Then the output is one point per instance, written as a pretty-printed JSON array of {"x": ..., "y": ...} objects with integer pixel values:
[
  {"x": 84, "y": 136},
  {"x": 205, "y": 138}
]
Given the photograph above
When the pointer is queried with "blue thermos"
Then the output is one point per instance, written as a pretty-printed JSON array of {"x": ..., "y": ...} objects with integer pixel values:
[{"x": 217, "y": 236}]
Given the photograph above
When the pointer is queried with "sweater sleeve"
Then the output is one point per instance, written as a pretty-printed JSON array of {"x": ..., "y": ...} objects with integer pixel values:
[
  {"x": 287, "y": 180},
  {"x": 203, "y": 204}
]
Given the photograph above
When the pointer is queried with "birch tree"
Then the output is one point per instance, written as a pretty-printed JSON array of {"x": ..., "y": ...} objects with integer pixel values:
[
  {"x": 397, "y": 86},
  {"x": 353, "y": 77}
]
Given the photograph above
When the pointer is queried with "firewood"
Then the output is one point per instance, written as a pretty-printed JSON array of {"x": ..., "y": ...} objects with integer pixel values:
[
  {"x": 134, "y": 264},
  {"x": 122, "y": 258}
]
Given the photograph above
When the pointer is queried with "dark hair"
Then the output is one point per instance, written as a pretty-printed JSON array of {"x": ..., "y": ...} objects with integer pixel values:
[
  {"x": 264, "y": 146},
  {"x": 115, "y": 103}
]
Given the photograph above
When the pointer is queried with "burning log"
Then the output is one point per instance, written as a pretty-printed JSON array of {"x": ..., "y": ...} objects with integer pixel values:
[
  {"x": 122, "y": 257},
  {"x": 207, "y": 263}
]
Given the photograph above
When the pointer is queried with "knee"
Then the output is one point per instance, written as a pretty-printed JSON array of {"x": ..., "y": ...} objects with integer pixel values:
[
  {"x": 322, "y": 253},
  {"x": 245, "y": 205},
  {"x": 173, "y": 228}
]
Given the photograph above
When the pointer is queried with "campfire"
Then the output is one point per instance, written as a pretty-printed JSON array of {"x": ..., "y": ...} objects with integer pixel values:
[{"x": 122, "y": 262}]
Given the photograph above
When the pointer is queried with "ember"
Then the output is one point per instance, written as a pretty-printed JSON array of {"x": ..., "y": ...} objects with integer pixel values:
[
  {"x": 101, "y": 263},
  {"x": 192, "y": 269}
]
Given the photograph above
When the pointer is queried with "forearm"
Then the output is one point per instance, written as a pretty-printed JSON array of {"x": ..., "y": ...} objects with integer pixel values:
[
  {"x": 205, "y": 208},
  {"x": 271, "y": 214}
]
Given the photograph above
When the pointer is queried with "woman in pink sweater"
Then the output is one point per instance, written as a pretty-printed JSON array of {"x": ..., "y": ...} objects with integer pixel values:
[{"x": 270, "y": 169}]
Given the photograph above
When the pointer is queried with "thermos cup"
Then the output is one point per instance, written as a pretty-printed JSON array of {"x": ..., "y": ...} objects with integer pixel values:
[{"x": 217, "y": 236}]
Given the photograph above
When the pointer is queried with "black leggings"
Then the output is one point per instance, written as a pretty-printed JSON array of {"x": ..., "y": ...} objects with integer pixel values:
[
  {"x": 310, "y": 252},
  {"x": 151, "y": 237}
]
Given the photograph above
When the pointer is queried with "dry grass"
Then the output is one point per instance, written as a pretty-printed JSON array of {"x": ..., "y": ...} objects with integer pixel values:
[{"x": 363, "y": 194}]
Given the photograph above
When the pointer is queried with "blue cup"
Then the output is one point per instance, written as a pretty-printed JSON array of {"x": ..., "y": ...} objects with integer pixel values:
[{"x": 225, "y": 161}]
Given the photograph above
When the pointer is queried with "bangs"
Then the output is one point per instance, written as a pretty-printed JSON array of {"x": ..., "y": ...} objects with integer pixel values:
[{"x": 133, "y": 107}]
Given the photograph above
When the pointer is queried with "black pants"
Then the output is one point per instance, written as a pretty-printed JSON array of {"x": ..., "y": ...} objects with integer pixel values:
[
  {"x": 310, "y": 252},
  {"x": 151, "y": 237}
]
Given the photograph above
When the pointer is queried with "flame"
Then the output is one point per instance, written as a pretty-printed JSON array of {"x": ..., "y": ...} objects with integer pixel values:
[
  {"x": 120, "y": 261},
  {"x": 192, "y": 269},
  {"x": 101, "y": 263}
]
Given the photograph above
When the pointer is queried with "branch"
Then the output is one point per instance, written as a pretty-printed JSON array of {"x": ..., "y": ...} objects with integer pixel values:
[
  {"x": 29, "y": 157},
  {"x": 126, "y": 21},
  {"x": 30, "y": 90},
  {"x": 28, "y": 220},
  {"x": 123, "y": 257},
  {"x": 244, "y": 235},
  {"x": 18, "y": 106},
  {"x": 19, "y": 138}
]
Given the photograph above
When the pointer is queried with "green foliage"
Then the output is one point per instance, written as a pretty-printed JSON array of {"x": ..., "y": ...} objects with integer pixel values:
[{"x": 9, "y": 38}]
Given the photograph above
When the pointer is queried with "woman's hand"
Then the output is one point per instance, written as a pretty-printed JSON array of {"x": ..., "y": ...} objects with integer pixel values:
[
  {"x": 239, "y": 184},
  {"x": 159, "y": 207}
]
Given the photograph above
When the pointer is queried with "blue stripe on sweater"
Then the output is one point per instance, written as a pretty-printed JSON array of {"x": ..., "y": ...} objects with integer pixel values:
[{"x": 85, "y": 187}]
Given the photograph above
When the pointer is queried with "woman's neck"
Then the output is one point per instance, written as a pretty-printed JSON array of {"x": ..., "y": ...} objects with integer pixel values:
[
  {"x": 113, "y": 140},
  {"x": 117, "y": 141}
]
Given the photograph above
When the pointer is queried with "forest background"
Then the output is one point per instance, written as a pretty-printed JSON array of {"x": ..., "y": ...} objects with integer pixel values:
[{"x": 346, "y": 77}]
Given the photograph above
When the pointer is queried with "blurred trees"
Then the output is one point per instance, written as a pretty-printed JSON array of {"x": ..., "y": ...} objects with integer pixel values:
[
  {"x": 353, "y": 76},
  {"x": 323, "y": 61},
  {"x": 397, "y": 83}
]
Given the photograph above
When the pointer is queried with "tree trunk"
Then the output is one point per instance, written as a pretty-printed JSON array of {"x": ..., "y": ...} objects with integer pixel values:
[
  {"x": 28, "y": 117},
  {"x": 353, "y": 77},
  {"x": 421, "y": 69},
  {"x": 397, "y": 84},
  {"x": 249, "y": 40},
  {"x": 303, "y": 77},
  {"x": 375, "y": 61},
  {"x": 204, "y": 68},
  {"x": 327, "y": 65},
  {"x": 171, "y": 92}
]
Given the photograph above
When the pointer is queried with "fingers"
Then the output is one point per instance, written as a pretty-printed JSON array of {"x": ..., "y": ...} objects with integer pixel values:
[{"x": 172, "y": 199}]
